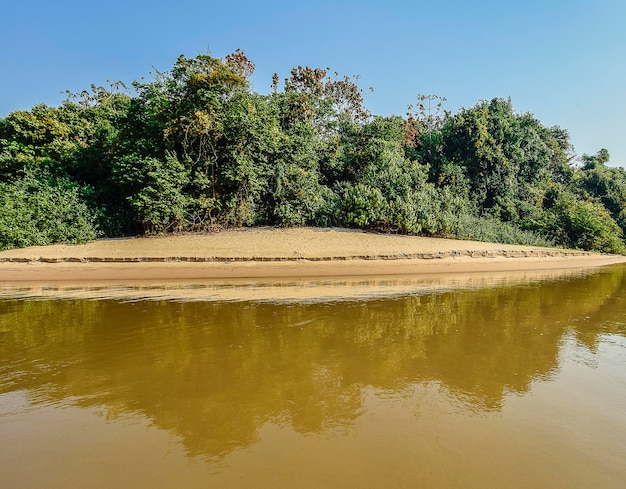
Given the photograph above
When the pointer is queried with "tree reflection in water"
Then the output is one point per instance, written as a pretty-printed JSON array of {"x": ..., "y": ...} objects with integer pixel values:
[{"x": 213, "y": 373}]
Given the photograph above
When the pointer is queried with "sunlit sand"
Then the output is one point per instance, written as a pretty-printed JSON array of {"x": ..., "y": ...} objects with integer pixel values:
[{"x": 264, "y": 263}]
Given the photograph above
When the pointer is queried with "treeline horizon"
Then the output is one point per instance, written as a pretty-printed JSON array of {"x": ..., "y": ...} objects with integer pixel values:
[{"x": 195, "y": 149}]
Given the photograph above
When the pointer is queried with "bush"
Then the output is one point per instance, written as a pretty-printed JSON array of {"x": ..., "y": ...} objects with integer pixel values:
[
  {"x": 584, "y": 224},
  {"x": 34, "y": 212},
  {"x": 364, "y": 206}
]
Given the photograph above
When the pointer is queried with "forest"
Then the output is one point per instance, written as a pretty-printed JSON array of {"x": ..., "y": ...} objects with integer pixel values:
[{"x": 196, "y": 149}]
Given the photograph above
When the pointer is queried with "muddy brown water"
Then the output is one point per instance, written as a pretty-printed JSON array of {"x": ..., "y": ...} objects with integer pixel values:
[{"x": 495, "y": 386}]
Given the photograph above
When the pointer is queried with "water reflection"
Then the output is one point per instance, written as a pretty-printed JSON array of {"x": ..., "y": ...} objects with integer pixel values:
[
  {"x": 279, "y": 290},
  {"x": 214, "y": 373}
]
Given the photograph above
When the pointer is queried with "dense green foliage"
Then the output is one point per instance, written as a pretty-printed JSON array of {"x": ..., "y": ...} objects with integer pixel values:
[
  {"x": 33, "y": 212},
  {"x": 195, "y": 149}
]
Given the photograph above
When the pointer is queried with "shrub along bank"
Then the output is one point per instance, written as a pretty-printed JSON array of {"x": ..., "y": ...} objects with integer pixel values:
[{"x": 196, "y": 148}]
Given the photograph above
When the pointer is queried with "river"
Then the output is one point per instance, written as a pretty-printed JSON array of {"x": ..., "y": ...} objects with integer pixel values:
[{"x": 484, "y": 384}]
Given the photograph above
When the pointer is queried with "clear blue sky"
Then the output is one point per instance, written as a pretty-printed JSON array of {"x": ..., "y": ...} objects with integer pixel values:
[{"x": 562, "y": 60}]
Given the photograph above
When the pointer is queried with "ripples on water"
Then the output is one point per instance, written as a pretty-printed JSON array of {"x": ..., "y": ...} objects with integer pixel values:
[{"x": 473, "y": 381}]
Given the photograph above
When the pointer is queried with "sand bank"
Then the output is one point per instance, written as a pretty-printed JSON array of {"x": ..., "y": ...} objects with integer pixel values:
[
  {"x": 280, "y": 253},
  {"x": 278, "y": 264}
]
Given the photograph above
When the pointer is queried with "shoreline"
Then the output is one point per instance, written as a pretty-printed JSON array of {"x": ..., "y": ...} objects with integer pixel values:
[
  {"x": 137, "y": 269},
  {"x": 270, "y": 253}
]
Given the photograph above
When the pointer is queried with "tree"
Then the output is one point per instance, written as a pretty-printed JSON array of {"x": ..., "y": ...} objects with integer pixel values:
[
  {"x": 198, "y": 121},
  {"x": 584, "y": 224},
  {"x": 601, "y": 158},
  {"x": 503, "y": 154},
  {"x": 607, "y": 184}
]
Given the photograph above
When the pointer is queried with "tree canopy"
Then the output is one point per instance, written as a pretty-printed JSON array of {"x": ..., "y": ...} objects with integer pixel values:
[{"x": 195, "y": 148}]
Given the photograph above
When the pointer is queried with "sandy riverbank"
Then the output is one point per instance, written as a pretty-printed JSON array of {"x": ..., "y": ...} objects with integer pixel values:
[{"x": 277, "y": 253}]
